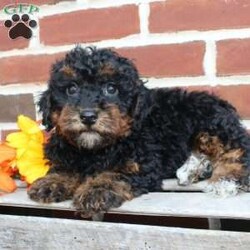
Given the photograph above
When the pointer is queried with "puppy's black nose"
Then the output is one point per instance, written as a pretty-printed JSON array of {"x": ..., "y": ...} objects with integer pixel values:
[{"x": 88, "y": 117}]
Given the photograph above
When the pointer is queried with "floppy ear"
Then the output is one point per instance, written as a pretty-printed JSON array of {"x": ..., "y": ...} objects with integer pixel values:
[
  {"x": 142, "y": 107},
  {"x": 44, "y": 105}
]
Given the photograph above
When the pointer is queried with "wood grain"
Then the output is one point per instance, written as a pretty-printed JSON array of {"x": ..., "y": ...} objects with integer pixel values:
[{"x": 45, "y": 233}]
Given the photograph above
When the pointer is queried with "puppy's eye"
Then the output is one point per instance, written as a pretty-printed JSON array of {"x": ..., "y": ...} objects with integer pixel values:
[
  {"x": 110, "y": 89},
  {"x": 72, "y": 89}
]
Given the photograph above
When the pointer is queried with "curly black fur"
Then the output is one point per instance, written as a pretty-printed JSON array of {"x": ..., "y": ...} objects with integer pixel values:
[{"x": 162, "y": 133}]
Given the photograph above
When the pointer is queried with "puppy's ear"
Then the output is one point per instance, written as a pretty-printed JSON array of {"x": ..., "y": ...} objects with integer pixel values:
[
  {"x": 142, "y": 106},
  {"x": 44, "y": 105}
]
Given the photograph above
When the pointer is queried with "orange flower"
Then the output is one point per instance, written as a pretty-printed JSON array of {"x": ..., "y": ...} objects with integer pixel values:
[
  {"x": 6, "y": 152},
  {"x": 7, "y": 156},
  {"x": 7, "y": 184},
  {"x": 29, "y": 149}
]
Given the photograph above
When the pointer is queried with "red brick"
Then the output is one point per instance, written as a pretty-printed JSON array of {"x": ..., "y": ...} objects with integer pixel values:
[
  {"x": 89, "y": 25},
  {"x": 32, "y": 68},
  {"x": 238, "y": 95},
  {"x": 167, "y": 60},
  {"x": 174, "y": 15},
  {"x": 233, "y": 57},
  {"x": 7, "y": 43}
]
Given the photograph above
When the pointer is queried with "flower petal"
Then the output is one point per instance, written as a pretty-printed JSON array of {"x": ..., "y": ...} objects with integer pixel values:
[
  {"x": 36, "y": 172},
  {"x": 39, "y": 137},
  {"x": 17, "y": 140},
  {"x": 7, "y": 153},
  {"x": 29, "y": 159},
  {"x": 7, "y": 184},
  {"x": 27, "y": 164},
  {"x": 20, "y": 152},
  {"x": 7, "y": 167},
  {"x": 32, "y": 170},
  {"x": 27, "y": 125}
]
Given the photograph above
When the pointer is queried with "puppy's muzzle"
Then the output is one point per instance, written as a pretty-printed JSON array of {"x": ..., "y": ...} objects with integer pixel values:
[{"x": 88, "y": 116}]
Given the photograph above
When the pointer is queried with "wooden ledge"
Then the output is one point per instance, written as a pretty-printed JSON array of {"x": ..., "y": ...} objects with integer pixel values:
[
  {"x": 22, "y": 232},
  {"x": 183, "y": 204}
]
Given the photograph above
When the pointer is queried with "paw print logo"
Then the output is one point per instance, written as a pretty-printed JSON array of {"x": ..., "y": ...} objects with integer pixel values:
[{"x": 20, "y": 27}]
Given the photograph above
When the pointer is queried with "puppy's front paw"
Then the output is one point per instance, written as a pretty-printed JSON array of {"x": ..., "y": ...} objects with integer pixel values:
[
  {"x": 52, "y": 188},
  {"x": 96, "y": 200},
  {"x": 100, "y": 194}
]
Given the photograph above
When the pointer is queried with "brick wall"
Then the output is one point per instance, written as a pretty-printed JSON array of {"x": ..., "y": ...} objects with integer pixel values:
[{"x": 196, "y": 44}]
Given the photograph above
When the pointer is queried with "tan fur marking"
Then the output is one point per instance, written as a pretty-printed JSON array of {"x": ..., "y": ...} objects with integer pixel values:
[
  {"x": 209, "y": 145},
  {"x": 69, "y": 120},
  {"x": 225, "y": 161},
  {"x": 107, "y": 69},
  {"x": 115, "y": 123},
  {"x": 228, "y": 165},
  {"x": 68, "y": 71},
  {"x": 131, "y": 168},
  {"x": 69, "y": 124}
]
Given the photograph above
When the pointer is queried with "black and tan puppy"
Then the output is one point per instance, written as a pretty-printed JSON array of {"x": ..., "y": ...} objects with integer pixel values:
[{"x": 113, "y": 139}]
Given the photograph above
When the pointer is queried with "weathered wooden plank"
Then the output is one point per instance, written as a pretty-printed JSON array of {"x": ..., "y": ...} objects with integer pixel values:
[
  {"x": 165, "y": 204},
  {"x": 46, "y": 233},
  {"x": 19, "y": 198},
  {"x": 189, "y": 205},
  {"x": 171, "y": 185}
]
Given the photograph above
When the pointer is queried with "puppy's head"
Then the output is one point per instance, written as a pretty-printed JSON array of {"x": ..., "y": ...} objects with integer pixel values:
[{"x": 91, "y": 97}]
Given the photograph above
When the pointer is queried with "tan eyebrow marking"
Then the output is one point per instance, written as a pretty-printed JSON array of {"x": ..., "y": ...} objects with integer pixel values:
[{"x": 67, "y": 70}]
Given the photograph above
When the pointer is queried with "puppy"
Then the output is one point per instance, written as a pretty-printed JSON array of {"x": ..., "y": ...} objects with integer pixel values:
[{"x": 112, "y": 139}]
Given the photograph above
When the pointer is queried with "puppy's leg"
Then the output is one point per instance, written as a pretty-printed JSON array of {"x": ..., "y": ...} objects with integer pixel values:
[
  {"x": 196, "y": 168},
  {"x": 100, "y": 193},
  {"x": 228, "y": 165},
  {"x": 54, "y": 187}
]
